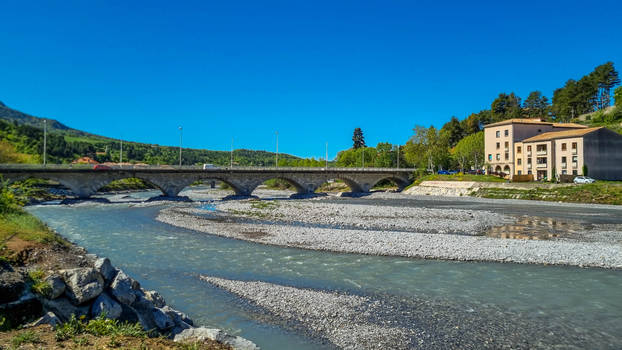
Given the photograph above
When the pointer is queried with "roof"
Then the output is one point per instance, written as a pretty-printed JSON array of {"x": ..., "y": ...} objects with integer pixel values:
[
  {"x": 536, "y": 121},
  {"x": 561, "y": 134}
]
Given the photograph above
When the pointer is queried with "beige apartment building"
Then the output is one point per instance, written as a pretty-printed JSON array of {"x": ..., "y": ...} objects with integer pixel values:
[
  {"x": 500, "y": 139},
  {"x": 546, "y": 150}
]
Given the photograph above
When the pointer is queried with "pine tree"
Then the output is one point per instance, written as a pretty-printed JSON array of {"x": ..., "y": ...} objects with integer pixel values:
[
  {"x": 536, "y": 105},
  {"x": 358, "y": 139}
]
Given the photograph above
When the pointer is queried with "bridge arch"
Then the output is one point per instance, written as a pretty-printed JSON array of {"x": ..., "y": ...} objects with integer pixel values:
[{"x": 399, "y": 182}]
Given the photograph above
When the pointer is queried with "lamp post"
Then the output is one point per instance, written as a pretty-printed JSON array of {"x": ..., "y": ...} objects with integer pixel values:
[
  {"x": 277, "y": 150},
  {"x": 45, "y": 141},
  {"x": 180, "y": 134},
  {"x": 231, "y": 162}
]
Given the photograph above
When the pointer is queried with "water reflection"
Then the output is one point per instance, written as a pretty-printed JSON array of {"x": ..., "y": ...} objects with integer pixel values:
[{"x": 539, "y": 228}]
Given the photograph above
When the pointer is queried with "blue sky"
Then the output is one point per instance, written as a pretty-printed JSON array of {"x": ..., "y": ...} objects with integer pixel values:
[{"x": 311, "y": 70}]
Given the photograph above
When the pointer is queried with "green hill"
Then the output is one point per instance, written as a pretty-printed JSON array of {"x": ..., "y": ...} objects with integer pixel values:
[{"x": 21, "y": 141}]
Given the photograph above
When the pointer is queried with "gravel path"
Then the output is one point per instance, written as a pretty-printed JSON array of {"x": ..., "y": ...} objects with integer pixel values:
[
  {"x": 385, "y": 230},
  {"x": 389, "y": 322}
]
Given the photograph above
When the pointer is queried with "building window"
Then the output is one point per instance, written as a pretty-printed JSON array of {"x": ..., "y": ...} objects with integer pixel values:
[
  {"x": 498, "y": 145},
  {"x": 574, "y": 172},
  {"x": 563, "y": 146},
  {"x": 519, "y": 172},
  {"x": 528, "y": 160},
  {"x": 529, "y": 149},
  {"x": 563, "y": 159},
  {"x": 490, "y": 157},
  {"x": 519, "y": 161},
  {"x": 506, "y": 132},
  {"x": 541, "y": 160},
  {"x": 518, "y": 149},
  {"x": 529, "y": 172},
  {"x": 507, "y": 156},
  {"x": 498, "y": 133},
  {"x": 498, "y": 156},
  {"x": 541, "y": 148},
  {"x": 507, "y": 145},
  {"x": 564, "y": 172},
  {"x": 574, "y": 159},
  {"x": 574, "y": 145}
]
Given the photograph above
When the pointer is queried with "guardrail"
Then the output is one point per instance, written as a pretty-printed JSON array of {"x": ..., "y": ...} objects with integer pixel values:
[{"x": 190, "y": 167}]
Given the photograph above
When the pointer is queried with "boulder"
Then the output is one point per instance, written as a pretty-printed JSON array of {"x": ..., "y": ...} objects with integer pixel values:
[
  {"x": 25, "y": 309},
  {"x": 107, "y": 306},
  {"x": 155, "y": 298},
  {"x": 12, "y": 285},
  {"x": 203, "y": 333},
  {"x": 144, "y": 309},
  {"x": 178, "y": 317},
  {"x": 104, "y": 267},
  {"x": 57, "y": 286},
  {"x": 82, "y": 284},
  {"x": 162, "y": 320},
  {"x": 63, "y": 308},
  {"x": 48, "y": 318},
  {"x": 121, "y": 288}
]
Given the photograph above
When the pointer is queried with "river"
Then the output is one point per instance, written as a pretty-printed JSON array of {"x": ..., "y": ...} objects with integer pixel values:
[{"x": 170, "y": 259}]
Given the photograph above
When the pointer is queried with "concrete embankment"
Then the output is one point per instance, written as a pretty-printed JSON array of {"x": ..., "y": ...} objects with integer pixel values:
[{"x": 467, "y": 188}]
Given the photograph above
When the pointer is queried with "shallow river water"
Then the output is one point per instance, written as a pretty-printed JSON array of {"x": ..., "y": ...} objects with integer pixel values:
[{"x": 170, "y": 259}]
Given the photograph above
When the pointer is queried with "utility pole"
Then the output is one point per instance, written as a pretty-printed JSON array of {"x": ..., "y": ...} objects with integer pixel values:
[
  {"x": 121, "y": 155},
  {"x": 45, "y": 141},
  {"x": 180, "y": 134},
  {"x": 327, "y": 155},
  {"x": 231, "y": 162},
  {"x": 277, "y": 149}
]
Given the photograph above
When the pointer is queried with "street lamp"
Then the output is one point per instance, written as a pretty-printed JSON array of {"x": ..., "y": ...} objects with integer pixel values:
[
  {"x": 277, "y": 149},
  {"x": 180, "y": 134},
  {"x": 45, "y": 141}
]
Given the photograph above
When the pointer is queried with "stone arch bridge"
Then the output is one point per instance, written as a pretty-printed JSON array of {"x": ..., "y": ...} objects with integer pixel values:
[{"x": 84, "y": 182}]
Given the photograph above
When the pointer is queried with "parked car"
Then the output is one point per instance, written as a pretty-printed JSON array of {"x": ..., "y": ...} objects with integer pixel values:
[
  {"x": 583, "y": 180},
  {"x": 443, "y": 172},
  {"x": 101, "y": 167},
  {"x": 208, "y": 166},
  {"x": 452, "y": 172}
]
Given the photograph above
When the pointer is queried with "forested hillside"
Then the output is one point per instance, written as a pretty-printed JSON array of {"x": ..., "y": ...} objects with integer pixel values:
[{"x": 21, "y": 141}]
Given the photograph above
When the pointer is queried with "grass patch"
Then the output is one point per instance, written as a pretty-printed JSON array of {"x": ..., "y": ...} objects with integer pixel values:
[
  {"x": 27, "y": 337},
  {"x": 98, "y": 327},
  {"x": 259, "y": 204},
  {"x": 27, "y": 227},
  {"x": 600, "y": 192},
  {"x": 38, "y": 283}
]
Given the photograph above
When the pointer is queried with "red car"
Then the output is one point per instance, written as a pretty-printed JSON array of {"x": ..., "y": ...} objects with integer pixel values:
[{"x": 101, "y": 167}]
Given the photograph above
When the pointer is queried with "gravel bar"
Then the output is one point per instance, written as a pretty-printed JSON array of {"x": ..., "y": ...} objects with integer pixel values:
[{"x": 426, "y": 233}]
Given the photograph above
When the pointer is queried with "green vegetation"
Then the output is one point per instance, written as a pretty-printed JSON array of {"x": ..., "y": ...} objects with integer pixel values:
[
  {"x": 278, "y": 184},
  {"x": 38, "y": 283},
  {"x": 27, "y": 337},
  {"x": 600, "y": 192},
  {"x": 259, "y": 204},
  {"x": 457, "y": 177},
  {"x": 126, "y": 185},
  {"x": 100, "y": 326}
]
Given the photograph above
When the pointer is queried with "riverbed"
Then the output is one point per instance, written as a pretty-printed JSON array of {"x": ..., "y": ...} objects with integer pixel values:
[{"x": 520, "y": 305}]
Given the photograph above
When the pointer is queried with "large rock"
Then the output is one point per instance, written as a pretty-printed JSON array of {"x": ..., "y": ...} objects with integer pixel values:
[
  {"x": 48, "y": 318},
  {"x": 162, "y": 320},
  {"x": 121, "y": 288},
  {"x": 180, "y": 318},
  {"x": 155, "y": 298},
  {"x": 104, "y": 267},
  {"x": 144, "y": 309},
  {"x": 203, "y": 333},
  {"x": 12, "y": 284},
  {"x": 25, "y": 309},
  {"x": 63, "y": 308},
  {"x": 83, "y": 284},
  {"x": 107, "y": 306},
  {"x": 57, "y": 286}
]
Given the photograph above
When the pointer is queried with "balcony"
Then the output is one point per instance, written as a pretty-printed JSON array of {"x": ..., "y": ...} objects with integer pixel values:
[
  {"x": 574, "y": 151},
  {"x": 541, "y": 153},
  {"x": 564, "y": 166},
  {"x": 574, "y": 165},
  {"x": 529, "y": 154},
  {"x": 539, "y": 166},
  {"x": 528, "y": 166}
]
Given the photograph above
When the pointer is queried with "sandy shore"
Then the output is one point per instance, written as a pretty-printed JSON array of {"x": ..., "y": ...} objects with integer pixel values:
[{"x": 431, "y": 233}]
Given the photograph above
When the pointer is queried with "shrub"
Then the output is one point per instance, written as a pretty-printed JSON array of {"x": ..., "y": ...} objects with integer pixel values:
[
  {"x": 39, "y": 285},
  {"x": 100, "y": 326},
  {"x": 25, "y": 338}
]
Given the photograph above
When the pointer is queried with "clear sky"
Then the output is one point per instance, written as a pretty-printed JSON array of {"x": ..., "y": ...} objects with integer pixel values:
[{"x": 311, "y": 70}]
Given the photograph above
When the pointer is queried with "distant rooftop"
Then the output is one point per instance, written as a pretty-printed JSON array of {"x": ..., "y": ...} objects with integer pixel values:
[
  {"x": 561, "y": 134},
  {"x": 536, "y": 121}
]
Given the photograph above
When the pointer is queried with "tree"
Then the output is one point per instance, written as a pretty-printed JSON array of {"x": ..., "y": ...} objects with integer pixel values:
[
  {"x": 470, "y": 151},
  {"x": 358, "y": 139},
  {"x": 385, "y": 155},
  {"x": 606, "y": 78},
  {"x": 453, "y": 131},
  {"x": 536, "y": 105},
  {"x": 427, "y": 149},
  {"x": 506, "y": 107},
  {"x": 617, "y": 95}
]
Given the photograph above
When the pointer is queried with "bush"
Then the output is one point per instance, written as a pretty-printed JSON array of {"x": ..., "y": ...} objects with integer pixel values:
[
  {"x": 101, "y": 326},
  {"x": 39, "y": 285},
  {"x": 8, "y": 203}
]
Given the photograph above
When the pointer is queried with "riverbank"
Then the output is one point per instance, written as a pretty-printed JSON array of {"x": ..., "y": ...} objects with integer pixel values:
[
  {"x": 380, "y": 229},
  {"x": 46, "y": 281}
]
